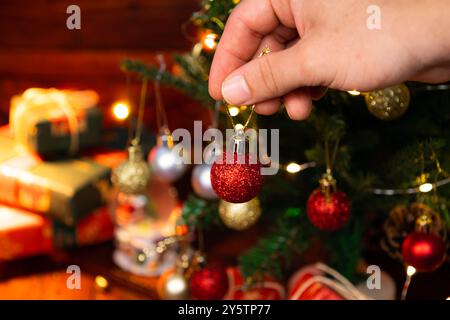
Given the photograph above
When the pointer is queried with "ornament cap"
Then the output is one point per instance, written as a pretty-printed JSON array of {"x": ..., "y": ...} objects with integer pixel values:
[
  {"x": 327, "y": 184},
  {"x": 135, "y": 151},
  {"x": 165, "y": 138},
  {"x": 424, "y": 223}
]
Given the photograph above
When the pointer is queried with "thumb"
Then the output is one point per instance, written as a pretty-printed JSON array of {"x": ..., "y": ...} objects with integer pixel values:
[{"x": 275, "y": 75}]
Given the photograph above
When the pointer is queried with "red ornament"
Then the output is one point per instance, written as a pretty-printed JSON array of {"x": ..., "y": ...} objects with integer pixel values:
[
  {"x": 238, "y": 181},
  {"x": 328, "y": 214},
  {"x": 424, "y": 251},
  {"x": 210, "y": 283}
]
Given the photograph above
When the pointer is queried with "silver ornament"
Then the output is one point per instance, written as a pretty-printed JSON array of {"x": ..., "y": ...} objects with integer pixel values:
[
  {"x": 132, "y": 175},
  {"x": 201, "y": 181},
  {"x": 165, "y": 164},
  {"x": 175, "y": 287}
]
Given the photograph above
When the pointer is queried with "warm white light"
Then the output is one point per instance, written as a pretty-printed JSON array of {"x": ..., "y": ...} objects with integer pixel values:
[
  {"x": 410, "y": 271},
  {"x": 101, "y": 282},
  {"x": 176, "y": 285},
  {"x": 234, "y": 111},
  {"x": 141, "y": 257},
  {"x": 426, "y": 187},
  {"x": 209, "y": 41},
  {"x": 293, "y": 167},
  {"x": 354, "y": 92},
  {"x": 238, "y": 126},
  {"x": 121, "y": 110}
]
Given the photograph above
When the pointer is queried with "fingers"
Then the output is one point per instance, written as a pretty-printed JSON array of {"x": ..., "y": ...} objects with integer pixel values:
[
  {"x": 277, "y": 40},
  {"x": 298, "y": 104},
  {"x": 268, "y": 107},
  {"x": 249, "y": 22}
]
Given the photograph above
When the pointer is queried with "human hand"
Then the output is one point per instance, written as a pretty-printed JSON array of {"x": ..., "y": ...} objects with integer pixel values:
[{"x": 326, "y": 43}]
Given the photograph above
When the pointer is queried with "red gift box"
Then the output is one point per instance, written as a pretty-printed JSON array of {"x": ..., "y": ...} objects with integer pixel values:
[
  {"x": 268, "y": 289},
  {"x": 23, "y": 234}
]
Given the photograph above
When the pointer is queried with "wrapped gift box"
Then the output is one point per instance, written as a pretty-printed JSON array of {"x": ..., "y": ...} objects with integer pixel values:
[
  {"x": 97, "y": 227},
  {"x": 65, "y": 190},
  {"x": 23, "y": 234},
  {"x": 56, "y": 122}
]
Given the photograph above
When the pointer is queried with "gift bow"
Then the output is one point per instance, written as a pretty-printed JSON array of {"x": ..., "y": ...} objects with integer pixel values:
[{"x": 37, "y": 104}]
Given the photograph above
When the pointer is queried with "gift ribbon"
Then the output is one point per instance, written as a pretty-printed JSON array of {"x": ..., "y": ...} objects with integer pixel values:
[
  {"x": 40, "y": 104},
  {"x": 337, "y": 283}
]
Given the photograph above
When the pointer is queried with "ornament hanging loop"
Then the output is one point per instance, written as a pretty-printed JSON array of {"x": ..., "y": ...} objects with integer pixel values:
[{"x": 327, "y": 185}]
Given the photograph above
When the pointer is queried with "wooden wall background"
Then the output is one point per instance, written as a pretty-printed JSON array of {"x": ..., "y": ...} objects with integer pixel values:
[{"x": 37, "y": 50}]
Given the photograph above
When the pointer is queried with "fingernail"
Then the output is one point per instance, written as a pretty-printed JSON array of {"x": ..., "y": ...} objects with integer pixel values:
[{"x": 235, "y": 90}]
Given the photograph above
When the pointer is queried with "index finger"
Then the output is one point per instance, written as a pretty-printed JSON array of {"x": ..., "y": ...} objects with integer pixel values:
[{"x": 249, "y": 22}]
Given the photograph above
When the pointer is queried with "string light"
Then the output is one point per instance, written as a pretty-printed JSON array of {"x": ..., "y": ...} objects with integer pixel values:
[
  {"x": 294, "y": 167},
  {"x": 234, "y": 111},
  {"x": 121, "y": 110},
  {"x": 354, "y": 92},
  {"x": 410, "y": 271},
  {"x": 425, "y": 187}
]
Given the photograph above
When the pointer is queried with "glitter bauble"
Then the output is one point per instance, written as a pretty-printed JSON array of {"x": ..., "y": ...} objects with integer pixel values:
[
  {"x": 165, "y": 164},
  {"x": 424, "y": 251},
  {"x": 210, "y": 283},
  {"x": 388, "y": 104},
  {"x": 238, "y": 181},
  {"x": 240, "y": 216},
  {"x": 201, "y": 181},
  {"x": 328, "y": 214},
  {"x": 132, "y": 175}
]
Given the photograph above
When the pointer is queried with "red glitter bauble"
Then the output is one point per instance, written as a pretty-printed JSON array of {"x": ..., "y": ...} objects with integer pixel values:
[
  {"x": 210, "y": 283},
  {"x": 328, "y": 215},
  {"x": 424, "y": 251},
  {"x": 238, "y": 181}
]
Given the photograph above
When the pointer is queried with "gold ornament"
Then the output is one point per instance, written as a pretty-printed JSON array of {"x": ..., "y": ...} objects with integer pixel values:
[
  {"x": 390, "y": 103},
  {"x": 132, "y": 175},
  {"x": 173, "y": 285},
  {"x": 240, "y": 216}
]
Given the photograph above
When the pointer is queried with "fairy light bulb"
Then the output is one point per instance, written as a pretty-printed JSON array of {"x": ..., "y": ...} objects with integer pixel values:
[
  {"x": 293, "y": 167},
  {"x": 209, "y": 41},
  {"x": 425, "y": 187},
  {"x": 234, "y": 111},
  {"x": 410, "y": 271},
  {"x": 354, "y": 92},
  {"x": 121, "y": 110}
]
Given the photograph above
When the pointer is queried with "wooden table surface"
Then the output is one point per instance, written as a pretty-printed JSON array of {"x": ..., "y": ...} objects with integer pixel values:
[{"x": 46, "y": 277}]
